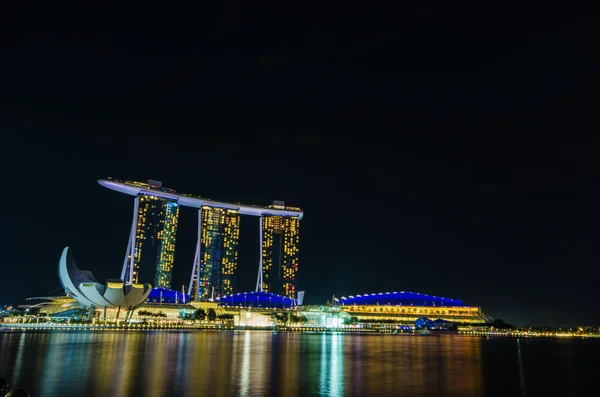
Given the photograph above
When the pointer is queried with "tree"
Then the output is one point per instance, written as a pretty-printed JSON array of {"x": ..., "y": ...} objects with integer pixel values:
[
  {"x": 211, "y": 314},
  {"x": 144, "y": 313},
  {"x": 200, "y": 314},
  {"x": 298, "y": 319},
  {"x": 281, "y": 317}
]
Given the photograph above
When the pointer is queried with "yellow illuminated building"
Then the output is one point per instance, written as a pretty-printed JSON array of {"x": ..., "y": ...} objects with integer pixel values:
[
  {"x": 280, "y": 240},
  {"x": 271, "y": 225},
  {"x": 166, "y": 236},
  {"x": 409, "y": 314},
  {"x": 231, "y": 237},
  {"x": 219, "y": 257},
  {"x": 289, "y": 266},
  {"x": 154, "y": 227},
  {"x": 155, "y": 237}
]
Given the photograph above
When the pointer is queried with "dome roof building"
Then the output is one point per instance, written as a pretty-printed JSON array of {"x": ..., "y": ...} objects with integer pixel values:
[{"x": 401, "y": 298}]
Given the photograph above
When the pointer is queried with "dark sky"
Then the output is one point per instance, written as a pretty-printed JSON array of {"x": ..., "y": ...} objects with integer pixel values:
[{"x": 440, "y": 150}]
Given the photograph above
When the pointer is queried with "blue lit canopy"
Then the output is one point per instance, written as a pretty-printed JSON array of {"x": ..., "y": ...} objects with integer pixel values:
[
  {"x": 164, "y": 295},
  {"x": 256, "y": 299},
  {"x": 401, "y": 298}
]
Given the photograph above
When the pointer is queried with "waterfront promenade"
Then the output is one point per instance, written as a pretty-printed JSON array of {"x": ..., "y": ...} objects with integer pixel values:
[{"x": 385, "y": 329}]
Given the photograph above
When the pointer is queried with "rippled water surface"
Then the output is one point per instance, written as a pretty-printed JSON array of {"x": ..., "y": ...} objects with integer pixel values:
[{"x": 245, "y": 363}]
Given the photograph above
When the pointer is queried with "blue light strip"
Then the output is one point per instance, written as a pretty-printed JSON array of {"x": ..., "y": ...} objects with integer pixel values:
[
  {"x": 400, "y": 298},
  {"x": 256, "y": 299},
  {"x": 167, "y": 295}
]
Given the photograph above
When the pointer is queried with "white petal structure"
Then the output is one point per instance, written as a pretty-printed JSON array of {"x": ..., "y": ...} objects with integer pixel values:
[{"x": 84, "y": 288}]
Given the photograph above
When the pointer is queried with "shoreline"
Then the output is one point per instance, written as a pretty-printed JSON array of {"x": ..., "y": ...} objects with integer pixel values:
[
  {"x": 16, "y": 327},
  {"x": 182, "y": 327}
]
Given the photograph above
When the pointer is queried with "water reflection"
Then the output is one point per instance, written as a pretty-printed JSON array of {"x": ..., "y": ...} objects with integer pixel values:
[
  {"x": 52, "y": 369},
  {"x": 155, "y": 373},
  {"x": 161, "y": 364},
  {"x": 323, "y": 369},
  {"x": 336, "y": 366},
  {"x": 245, "y": 375},
  {"x": 16, "y": 375},
  {"x": 521, "y": 370}
]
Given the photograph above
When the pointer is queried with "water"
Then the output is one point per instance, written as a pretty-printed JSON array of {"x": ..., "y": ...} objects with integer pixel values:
[{"x": 157, "y": 364}]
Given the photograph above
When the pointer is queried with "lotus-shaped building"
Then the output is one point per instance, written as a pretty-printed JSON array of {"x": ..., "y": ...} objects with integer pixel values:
[{"x": 83, "y": 287}]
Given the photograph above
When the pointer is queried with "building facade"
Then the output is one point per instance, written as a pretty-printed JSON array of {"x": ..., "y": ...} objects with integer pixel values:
[
  {"x": 229, "y": 264},
  {"x": 280, "y": 240},
  {"x": 407, "y": 307},
  {"x": 220, "y": 232},
  {"x": 152, "y": 239},
  {"x": 166, "y": 242},
  {"x": 155, "y": 233}
]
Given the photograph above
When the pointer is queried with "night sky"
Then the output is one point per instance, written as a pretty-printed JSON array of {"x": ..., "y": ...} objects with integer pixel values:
[{"x": 439, "y": 150}]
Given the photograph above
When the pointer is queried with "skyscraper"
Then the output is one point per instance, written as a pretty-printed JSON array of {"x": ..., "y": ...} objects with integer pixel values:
[
  {"x": 271, "y": 244},
  {"x": 166, "y": 238},
  {"x": 231, "y": 237},
  {"x": 156, "y": 229},
  {"x": 219, "y": 253},
  {"x": 289, "y": 266},
  {"x": 280, "y": 240},
  {"x": 154, "y": 226}
]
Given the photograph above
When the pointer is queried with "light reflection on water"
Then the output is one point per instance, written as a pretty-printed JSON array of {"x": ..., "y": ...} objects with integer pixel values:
[
  {"x": 159, "y": 364},
  {"x": 331, "y": 379},
  {"x": 245, "y": 374}
]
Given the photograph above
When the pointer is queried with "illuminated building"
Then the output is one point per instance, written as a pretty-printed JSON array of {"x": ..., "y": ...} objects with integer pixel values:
[
  {"x": 169, "y": 215},
  {"x": 151, "y": 245},
  {"x": 164, "y": 295},
  {"x": 156, "y": 226},
  {"x": 212, "y": 224},
  {"x": 408, "y": 307},
  {"x": 289, "y": 266},
  {"x": 83, "y": 287},
  {"x": 280, "y": 238},
  {"x": 216, "y": 257},
  {"x": 219, "y": 255},
  {"x": 363, "y": 311},
  {"x": 265, "y": 300},
  {"x": 231, "y": 237},
  {"x": 271, "y": 227}
]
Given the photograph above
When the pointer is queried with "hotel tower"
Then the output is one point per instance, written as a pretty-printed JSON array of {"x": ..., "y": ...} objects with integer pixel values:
[{"x": 152, "y": 241}]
